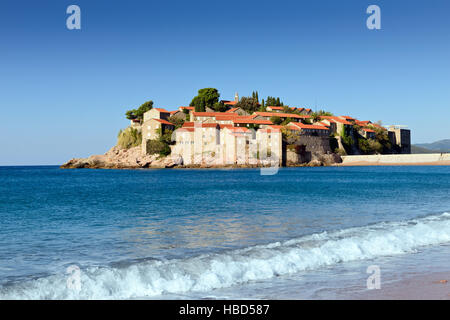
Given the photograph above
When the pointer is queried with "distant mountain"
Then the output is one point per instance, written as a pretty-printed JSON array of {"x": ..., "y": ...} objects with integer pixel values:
[
  {"x": 438, "y": 146},
  {"x": 415, "y": 149}
]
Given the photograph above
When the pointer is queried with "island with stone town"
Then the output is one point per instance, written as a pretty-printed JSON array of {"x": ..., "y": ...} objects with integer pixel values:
[{"x": 243, "y": 132}]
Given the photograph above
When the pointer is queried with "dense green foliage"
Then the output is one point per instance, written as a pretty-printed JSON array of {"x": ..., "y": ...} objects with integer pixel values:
[
  {"x": 178, "y": 122},
  {"x": 248, "y": 104},
  {"x": 382, "y": 137},
  {"x": 156, "y": 146},
  {"x": 207, "y": 97},
  {"x": 139, "y": 112},
  {"x": 272, "y": 101},
  {"x": 219, "y": 107},
  {"x": 128, "y": 138},
  {"x": 347, "y": 141},
  {"x": 276, "y": 120},
  {"x": 289, "y": 136},
  {"x": 286, "y": 121},
  {"x": 255, "y": 95},
  {"x": 315, "y": 116},
  {"x": 161, "y": 145},
  {"x": 369, "y": 146}
]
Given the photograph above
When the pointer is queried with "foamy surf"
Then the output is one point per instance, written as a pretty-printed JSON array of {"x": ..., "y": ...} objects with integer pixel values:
[{"x": 213, "y": 271}]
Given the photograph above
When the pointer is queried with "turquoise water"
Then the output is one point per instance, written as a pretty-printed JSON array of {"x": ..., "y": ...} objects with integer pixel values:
[{"x": 211, "y": 233}]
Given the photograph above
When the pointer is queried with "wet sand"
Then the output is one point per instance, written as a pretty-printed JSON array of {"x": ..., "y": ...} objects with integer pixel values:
[{"x": 434, "y": 286}]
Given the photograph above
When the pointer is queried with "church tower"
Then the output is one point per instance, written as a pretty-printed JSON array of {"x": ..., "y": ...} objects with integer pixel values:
[{"x": 236, "y": 97}]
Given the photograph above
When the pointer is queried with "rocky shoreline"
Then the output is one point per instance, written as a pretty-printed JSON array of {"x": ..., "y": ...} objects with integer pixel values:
[{"x": 132, "y": 158}]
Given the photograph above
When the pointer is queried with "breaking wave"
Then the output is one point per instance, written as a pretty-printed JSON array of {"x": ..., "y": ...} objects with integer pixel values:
[{"x": 212, "y": 271}]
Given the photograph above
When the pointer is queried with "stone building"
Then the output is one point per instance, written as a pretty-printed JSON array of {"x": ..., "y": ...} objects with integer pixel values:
[
  {"x": 215, "y": 144},
  {"x": 400, "y": 137},
  {"x": 156, "y": 113},
  {"x": 155, "y": 123}
]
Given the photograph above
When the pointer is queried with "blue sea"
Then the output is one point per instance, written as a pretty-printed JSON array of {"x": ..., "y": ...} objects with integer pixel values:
[{"x": 303, "y": 233}]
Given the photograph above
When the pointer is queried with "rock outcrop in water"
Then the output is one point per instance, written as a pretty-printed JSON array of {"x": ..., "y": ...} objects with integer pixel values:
[{"x": 117, "y": 158}]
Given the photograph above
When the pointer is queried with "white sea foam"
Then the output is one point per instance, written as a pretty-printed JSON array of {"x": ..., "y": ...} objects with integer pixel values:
[{"x": 213, "y": 271}]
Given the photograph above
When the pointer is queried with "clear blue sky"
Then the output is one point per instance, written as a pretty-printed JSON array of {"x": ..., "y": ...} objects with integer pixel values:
[{"x": 64, "y": 93}]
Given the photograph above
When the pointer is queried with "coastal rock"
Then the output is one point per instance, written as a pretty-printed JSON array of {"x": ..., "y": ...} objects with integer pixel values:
[
  {"x": 117, "y": 158},
  {"x": 114, "y": 158},
  {"x": 175, "y": 160},
  {"x": 314, "y": 163}
]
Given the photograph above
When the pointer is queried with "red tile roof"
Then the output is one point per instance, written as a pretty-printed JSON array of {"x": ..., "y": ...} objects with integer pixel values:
[
  {"x": 275, "y": 108},
  {"x": 188, "y": 108},
  {"x": 335, "y": 119},
  {"x": 237, "y": 130},
  {"x": 183, "y": 129},
  {"x": 308, "y": 126},
  {"x": 229, "y": 102},
  {"x": 348, "y": 118},
  {"x": 231, "y": 110},
  {"x": 189, "y": 124},
  {"x": 162, "y": 110},
  {"x": 210, "y": 125},
  {"x": 238, "y": 120},
  {"x": 164, "y": 121},
  {"x": 368, "y": 130},
  {"x": 226, "y": 117},
  {"x": 281, "y": 115},
  {"x": 205, "y": 114}
]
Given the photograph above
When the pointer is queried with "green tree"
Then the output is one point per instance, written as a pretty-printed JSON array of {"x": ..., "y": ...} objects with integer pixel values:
[
  {"x": 317, "y": 114},
  {"x": 188, "y": 116},
  {"x": 156, "y": 146},
  {"x": 382, "y": 137},
  {"x": 289, "y": 136},
  {"x": 255, "y": 95},
  {"x": 369, "y": 146},
  {"x": 287, "y": 109},
  {"x": 248, "y": 104},
  {"x": 347, "y": 141},
  {"x": 219, "y": 107},
  {"x": 206, "y": 97},
  {"x": 286, "y": 121},
  {"x": 276, "y": 120},
  {"x": 275, "y": 102},
  {"x": 139, "y": 112},
  {"x": 178, "y": 122}
]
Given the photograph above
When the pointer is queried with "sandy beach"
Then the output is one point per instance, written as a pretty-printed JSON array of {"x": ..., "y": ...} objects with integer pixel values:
[
  {"x": 370, "y": 163},
  {"x": 434, "y": 286},
  {"x": 430, "y": 159}
]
